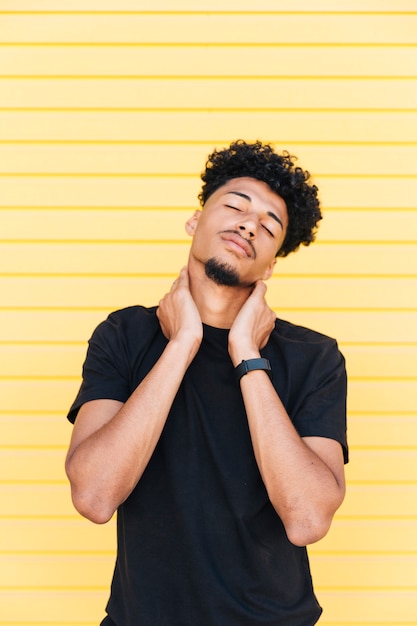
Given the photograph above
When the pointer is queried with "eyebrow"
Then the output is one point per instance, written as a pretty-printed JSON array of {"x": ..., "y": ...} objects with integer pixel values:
[{"x": 270, "y": 213}]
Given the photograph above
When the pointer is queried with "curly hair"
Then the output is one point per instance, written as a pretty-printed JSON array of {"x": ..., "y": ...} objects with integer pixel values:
[{"x": 260, "y": 161}]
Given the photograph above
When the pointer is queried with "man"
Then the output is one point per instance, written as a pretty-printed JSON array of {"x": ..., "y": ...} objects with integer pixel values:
[{"x": 214, "y": 429}]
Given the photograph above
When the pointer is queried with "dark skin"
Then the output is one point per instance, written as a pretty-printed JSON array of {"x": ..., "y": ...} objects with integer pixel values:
[{"x": 304, "y": 477}]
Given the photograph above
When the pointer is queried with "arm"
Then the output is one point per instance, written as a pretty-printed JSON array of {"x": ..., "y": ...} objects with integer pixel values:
[
  {"x": 304, "y": 478},
  {"x": 113, "y": 442}
]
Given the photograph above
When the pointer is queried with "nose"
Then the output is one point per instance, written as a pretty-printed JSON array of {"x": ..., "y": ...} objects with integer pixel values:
[{"x": 247, "y": 228}]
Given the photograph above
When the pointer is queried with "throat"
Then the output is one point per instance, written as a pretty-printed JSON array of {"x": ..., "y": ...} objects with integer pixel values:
[
  {"x": 218, "y": 301},
  {"x": 219, "y": 305}
]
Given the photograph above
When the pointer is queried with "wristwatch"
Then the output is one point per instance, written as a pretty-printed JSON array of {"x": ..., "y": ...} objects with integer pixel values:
[{"x": 253, "y": 364}]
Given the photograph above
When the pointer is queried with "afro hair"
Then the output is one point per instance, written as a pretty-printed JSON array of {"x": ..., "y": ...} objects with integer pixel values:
[{"x": 260, "y": 161}]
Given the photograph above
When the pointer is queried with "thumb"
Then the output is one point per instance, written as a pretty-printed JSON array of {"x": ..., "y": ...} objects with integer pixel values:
[
  {"x": 259, "y": 290},
  {"x": 183, "y": 276}
]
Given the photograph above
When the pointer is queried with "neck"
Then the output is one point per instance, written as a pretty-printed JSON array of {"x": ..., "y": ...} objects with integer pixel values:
[{"x": 218, "y": 305}]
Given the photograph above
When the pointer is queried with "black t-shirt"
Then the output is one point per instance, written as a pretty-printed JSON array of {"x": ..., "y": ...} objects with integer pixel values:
[{"x": 199, "y": 542}]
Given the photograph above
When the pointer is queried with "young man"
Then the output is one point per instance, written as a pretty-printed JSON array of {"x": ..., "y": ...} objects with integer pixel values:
[{"x": 216, "y": 431}]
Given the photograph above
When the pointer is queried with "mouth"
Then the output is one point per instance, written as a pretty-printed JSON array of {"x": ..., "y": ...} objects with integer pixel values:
[{"x": 238, "y": 244}]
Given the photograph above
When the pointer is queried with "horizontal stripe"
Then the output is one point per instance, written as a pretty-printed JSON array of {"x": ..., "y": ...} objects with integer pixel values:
[
  {"x": 364, "y": 607},
  {"x": 383, "y": 431},
  {"x": 369, "y": 465},
  {"x": 202, "y": 60},
  {"x": 180, "y": 159},
  {"x": 371, "y": 502},
  {"x": 80, "y": 536},
  {"x": 386, "y": 536},
  {"x": 39, "y": 571},
  {"x": 343, "y": 6},
  {"x": 209, "y": 27},
  {"x": 23, "y": 606},
  {"x": 276, "y": 93},
  {"x": 35, "y": 431},
  {"x": 40, "y": 501},
  {"x": 216, "y": 127}
]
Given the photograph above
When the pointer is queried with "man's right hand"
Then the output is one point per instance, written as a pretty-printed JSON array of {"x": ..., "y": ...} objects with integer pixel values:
[{"x": 178, "y": 314}]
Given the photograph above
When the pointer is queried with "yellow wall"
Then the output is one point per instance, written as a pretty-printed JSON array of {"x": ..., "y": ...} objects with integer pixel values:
[{"x": 108, "y": 109}]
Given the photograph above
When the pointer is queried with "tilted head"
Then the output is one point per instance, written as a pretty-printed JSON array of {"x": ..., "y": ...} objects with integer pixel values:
[{"x": 260, "y": 161}]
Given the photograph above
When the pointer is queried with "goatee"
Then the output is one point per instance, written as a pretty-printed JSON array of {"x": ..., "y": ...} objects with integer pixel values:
[{"x": 222, "y": 273}]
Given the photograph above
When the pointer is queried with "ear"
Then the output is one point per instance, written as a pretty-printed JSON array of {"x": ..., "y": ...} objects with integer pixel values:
[
  {"x": 269, "y": 270},
  {"x": 191, "y": 224}
]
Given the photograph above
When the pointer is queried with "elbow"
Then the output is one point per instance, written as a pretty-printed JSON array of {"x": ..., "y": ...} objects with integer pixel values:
[
  {"x": 91, "y": 508},
  {"x": 88, "y": 504},
  {"x": 306, "y": 526},
  {"x": 309, "y": 525},
  {"x": 305, "y": 532}
]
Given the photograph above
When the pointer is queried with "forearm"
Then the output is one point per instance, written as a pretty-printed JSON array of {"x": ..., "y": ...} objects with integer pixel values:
[
  {"x": 106, "y": 465},
  {"x": 303, "y": 489}
]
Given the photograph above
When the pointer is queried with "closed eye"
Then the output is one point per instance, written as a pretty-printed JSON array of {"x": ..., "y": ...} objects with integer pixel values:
[
  {"x": 268, "y": 231},
  {"x": 235, "y": 208}
]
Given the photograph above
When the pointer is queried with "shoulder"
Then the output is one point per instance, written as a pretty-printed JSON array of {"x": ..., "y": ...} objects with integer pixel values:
[
  {"x": 128, "y": 320},
  {"x": 126, "y": 331},
  {"x": 132, "y": 315},
  {"x": 295, "y": 333},
  {"x": 299, "y": 343}
]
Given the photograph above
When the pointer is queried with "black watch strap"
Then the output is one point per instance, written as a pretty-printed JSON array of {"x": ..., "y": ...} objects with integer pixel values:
[{"x": 253, "y": 364}]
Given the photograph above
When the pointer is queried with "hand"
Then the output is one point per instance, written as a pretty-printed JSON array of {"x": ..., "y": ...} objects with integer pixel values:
[
  {"x": 252, "y": 326},
  {"x": 178, "y": 314}
]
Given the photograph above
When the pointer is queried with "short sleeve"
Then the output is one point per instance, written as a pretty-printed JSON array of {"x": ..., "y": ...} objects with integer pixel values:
[
  {"x": 105, "y": 370},
  {"x": 322, "y": 412}
]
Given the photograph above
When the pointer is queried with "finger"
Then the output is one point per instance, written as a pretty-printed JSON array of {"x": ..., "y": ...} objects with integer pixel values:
[
  {"x": 183, "y": 276},
  {"x": 177, "y": 281},
  {"x": 259, "y": 290},
  {"x": 261, "y": 285}
]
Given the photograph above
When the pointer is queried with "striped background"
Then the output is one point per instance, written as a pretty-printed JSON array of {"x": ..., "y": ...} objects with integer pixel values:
[{"x": 108, "y": 109}]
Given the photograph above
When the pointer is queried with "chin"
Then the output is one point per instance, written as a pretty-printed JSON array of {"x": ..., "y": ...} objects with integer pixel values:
[{"x": 224, "y": 274}]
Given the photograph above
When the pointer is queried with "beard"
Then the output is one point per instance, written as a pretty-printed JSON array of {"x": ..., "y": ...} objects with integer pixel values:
[{"x": 222, "y": 273}]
